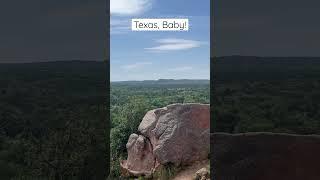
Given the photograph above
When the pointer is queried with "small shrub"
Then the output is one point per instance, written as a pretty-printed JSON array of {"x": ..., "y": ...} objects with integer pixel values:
[{"x": 167, "y": 171}]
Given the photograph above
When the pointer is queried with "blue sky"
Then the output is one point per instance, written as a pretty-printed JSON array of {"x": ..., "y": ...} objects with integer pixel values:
[{"x": 160, "y": 55}]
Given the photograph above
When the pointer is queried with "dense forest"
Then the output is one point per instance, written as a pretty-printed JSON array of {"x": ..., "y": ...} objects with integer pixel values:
[
  {"x": 54, "y": 120},
  {"x": 131, "y": 100},
  {"x": 266, "y": 94},
  {"x": 53, "y": 123}
]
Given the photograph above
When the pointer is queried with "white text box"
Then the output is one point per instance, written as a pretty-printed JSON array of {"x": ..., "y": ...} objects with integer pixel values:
[{"x": 160, "y": 24}]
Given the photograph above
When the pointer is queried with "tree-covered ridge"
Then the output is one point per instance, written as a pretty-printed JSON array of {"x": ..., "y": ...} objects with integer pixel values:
[
  {"x": 266, "y": 94},
  {"x": 53, "y": 121},
  {"x": 42, "y": 104},
  {"x": 166, "y": 82}
]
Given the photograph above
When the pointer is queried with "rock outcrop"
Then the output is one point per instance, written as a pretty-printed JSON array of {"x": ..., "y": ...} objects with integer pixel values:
[
  {"x": 265, "y": 156},
  {"x": 177, "y": 134},
  {"x": 140, "y": 160}
]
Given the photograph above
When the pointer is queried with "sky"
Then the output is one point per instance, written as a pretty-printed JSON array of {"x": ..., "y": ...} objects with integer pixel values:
[
  {"x": 37, "y": 30},
  {"x": 54, "y": 30},
  {"x": 266, "y": 27},
  {"x": 159, "y": 55}
]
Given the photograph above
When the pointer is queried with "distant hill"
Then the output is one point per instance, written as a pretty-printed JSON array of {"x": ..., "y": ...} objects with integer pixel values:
[
  {"x": 229, "y": 68},
  {"x": 76, "y": 75},
  {"x": 238, "y": 68},
  {"x": 69, "y": 78},
  {"x": 164, "y": 82},
  {"x": 56, "y": 70}
]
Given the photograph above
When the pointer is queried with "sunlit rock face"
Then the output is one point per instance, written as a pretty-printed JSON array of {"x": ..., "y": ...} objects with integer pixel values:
[
  {"x": 177, "y": 134},
  {"x": 140, "y": 160}
]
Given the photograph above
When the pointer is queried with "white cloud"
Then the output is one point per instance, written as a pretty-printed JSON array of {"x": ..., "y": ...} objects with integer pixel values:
[
  {"x": 119, "y": 26},
  {"x": 135, "y": 65},
  {"x": 172, "y": 44},
  {"x": 181, "y": 69},
  {"x": 129, "y": 7},
  {"x": 117, "y": 22}
]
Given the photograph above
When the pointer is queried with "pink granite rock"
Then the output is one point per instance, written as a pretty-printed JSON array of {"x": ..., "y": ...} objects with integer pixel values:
[
  {"x": 178, "y": 134},
  {"x": 140, "y": 156}
]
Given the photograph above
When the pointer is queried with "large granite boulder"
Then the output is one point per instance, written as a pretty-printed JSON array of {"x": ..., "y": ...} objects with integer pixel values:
[
  {"x": 265, "y": 156},
  {"x": 177, "y": 134}
]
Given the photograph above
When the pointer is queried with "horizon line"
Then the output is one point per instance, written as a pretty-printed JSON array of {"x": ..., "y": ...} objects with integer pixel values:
[
  {"x": 158, "y": 80},
  {"x": 44, "y": 60},
  {"x": 265, "y": 56},
  {"x": 50, "y": 61}
]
